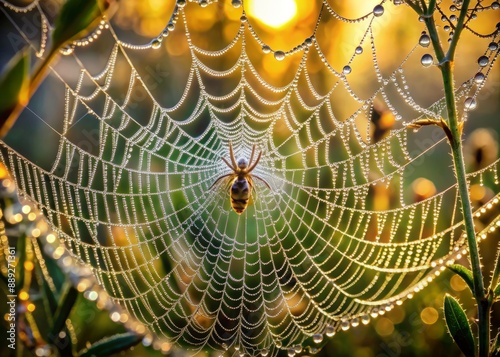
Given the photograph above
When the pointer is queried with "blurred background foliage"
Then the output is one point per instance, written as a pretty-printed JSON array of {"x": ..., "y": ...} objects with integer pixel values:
[{"x": 414, "y": 329}]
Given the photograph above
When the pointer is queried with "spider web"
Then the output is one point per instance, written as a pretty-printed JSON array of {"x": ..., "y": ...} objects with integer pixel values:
[{"x": 339, "y": 237}]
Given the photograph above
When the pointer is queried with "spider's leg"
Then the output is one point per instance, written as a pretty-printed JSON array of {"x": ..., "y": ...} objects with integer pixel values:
[
  {"x": 228, "y": 164},
  {"x": 220, "y": 178},
  {"x": 255, "y": 163},
  {"x": 260, "y": 178},
  {"x": 251, "y": 155},
  {"x": 233, "y": 159}
]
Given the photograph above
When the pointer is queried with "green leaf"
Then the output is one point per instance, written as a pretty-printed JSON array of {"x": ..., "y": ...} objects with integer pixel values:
[
  {"x": 75, "y": 17},
  {"x": 495, "y": 347},
  {"x": 496, "y": 291},
  {"x": 66, "y": 303},
  {"x": 458, "y": 325},
  {"x": 464, "y": 273},
  {"x": 111, "y": 345},
  {"x": 14, "y": 82}
]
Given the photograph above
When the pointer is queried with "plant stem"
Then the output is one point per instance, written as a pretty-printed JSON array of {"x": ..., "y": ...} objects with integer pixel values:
[
  {"x": 458, "y": 161},
  {"x": 455, "y": 129},
  {"x": 496, "y": 272}
]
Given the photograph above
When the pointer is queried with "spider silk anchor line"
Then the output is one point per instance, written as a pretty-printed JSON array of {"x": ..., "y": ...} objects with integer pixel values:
[{"x": 128, "y": 188}]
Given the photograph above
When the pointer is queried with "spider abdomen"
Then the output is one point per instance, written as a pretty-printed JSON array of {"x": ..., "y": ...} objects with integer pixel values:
[{"x": 241, "y": 190}]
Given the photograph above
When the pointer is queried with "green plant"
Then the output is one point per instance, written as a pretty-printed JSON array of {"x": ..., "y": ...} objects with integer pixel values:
[{"x": 456, "y": 320}]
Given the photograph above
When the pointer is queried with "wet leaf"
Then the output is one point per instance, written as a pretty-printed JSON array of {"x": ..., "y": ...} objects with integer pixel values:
[
  {"x": 458, "y": 325},
  {"x": 495, "y": 347},
  {"x": 14, "y": 82},
  {"x": 111, "y": 345},
  {"x": 464, "y": 273},
  {"x": 75, "y": 17}
]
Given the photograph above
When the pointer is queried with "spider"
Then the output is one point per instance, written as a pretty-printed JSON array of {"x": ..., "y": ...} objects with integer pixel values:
[{"x": 241, "y": 179}]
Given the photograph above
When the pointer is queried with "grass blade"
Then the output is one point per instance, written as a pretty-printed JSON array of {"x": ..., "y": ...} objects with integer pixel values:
[{"x": 66, "y": 303}]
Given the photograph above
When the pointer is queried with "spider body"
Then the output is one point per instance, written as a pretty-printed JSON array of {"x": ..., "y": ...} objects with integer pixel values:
[{"x": 240, "y": 180}]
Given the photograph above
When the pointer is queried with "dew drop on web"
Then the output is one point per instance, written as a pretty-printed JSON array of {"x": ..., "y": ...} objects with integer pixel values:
[
  {"x": 156, "y": 43},
  {"x": 483, "y": 61},
  {"x": 424, "y": 40},
  {"x": 479, "y": 77},
  {"x": 279, "y": 55},
  {"x": 329, "y": 331},
  {"x": 426, "y": 60},
  {"x": 378, "y": 10},
  {"x": 318, "y": 338},
  {"x": 470, "y": 103}
]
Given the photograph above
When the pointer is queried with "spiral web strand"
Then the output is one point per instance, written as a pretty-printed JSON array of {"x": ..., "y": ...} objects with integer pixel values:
[{"x": 313, "y": 254}]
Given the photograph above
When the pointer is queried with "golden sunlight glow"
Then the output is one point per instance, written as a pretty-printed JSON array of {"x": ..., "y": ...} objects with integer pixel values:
[{"x": 275, "y": 13}]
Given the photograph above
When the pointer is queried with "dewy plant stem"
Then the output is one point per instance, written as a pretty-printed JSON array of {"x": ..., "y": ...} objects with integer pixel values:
[{"x": 445, "y": 63}]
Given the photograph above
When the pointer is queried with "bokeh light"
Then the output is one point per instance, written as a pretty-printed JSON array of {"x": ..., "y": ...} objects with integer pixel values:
[
  {"x": 28, "y": 265},
  {"x": 23, "y": 295},
  {"x": 397, "y": 315},
  {"x": 429, "y": 315},
  {"x": 384, "y": 326},
  {"x": 275, "y": 14},
  {"x": 423, "y": 189}
]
